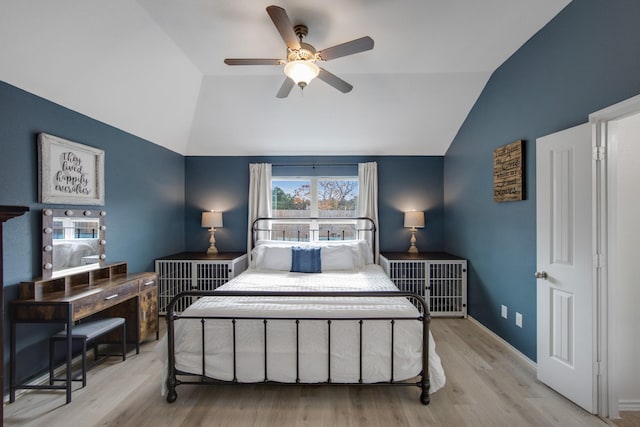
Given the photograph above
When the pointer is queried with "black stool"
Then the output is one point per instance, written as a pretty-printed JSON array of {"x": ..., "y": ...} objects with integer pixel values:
[{"x": 88, "y": 332}]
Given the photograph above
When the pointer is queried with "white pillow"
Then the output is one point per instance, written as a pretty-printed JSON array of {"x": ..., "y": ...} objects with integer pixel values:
[
  {"x": 365, "y": 251},
  {"x": 360, "y": 247},
  {"x": 338, "y": 257},
  {"x": 362, "y": 250},
  {"x": 270, "y": 257}
]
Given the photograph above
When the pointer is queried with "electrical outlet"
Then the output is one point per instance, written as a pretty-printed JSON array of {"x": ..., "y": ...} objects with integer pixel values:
[
  {"x": 518, "y": 320},
  {"x": 504, "y": 311}
]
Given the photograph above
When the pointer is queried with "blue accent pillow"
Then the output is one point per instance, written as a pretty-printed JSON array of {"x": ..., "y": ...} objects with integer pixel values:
[{"x": 305, "y": 260}]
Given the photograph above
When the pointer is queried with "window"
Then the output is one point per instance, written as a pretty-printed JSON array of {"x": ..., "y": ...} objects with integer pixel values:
[
  {"x": 68, "y": 228},
  {"x": 322, "y": 197}
]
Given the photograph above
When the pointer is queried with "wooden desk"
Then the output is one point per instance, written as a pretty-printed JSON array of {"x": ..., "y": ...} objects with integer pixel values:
[{"x": 105, "y": 292}]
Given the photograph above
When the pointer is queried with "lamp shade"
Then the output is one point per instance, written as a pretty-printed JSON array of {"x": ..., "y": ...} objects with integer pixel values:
[
  {"x": 414, "y": 219},
  {"x": 212, "y": 219},
  {"x": 301, "y": 72}
]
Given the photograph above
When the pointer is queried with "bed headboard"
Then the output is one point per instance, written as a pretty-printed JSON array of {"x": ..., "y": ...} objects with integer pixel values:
[{"x": 314, "y": 229}]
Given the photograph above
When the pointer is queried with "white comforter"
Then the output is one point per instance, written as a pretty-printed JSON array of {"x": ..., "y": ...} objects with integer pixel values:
[{"x": 313, "y": 334}]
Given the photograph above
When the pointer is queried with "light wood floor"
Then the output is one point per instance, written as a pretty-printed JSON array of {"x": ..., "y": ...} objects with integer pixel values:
[
  {"x": 628, "y": 419},
  {"x": 487, "y": 385}
]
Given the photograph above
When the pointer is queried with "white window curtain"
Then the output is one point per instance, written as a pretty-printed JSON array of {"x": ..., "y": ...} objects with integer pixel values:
[
  {"x": 259, "y": 196},
  {"x": 368, "y": 197}
]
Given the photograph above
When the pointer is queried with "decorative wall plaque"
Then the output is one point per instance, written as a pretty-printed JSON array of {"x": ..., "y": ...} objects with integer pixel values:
[
  {"x": 508, "y": 172},
  {"x": 69, "y": 173}
]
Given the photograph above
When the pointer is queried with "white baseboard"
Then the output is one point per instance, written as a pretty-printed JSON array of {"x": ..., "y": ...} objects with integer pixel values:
[
  {"x": 628, "y": 405},
  {"x": 623, "y": 404},
  {"x": 506, "y": 344}
]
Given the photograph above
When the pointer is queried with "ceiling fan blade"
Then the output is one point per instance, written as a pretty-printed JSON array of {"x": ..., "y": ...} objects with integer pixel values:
[
  {"x": 283, "y": 24},
  {"x": 348, "y": 48},
  {"x": 335, "y": 81},
  {"x": 286, "y": 87},
  {"x": 242, "y": 61}
]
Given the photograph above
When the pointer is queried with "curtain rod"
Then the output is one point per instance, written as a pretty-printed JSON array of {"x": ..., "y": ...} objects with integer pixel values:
[{"x": 314, "y": 164}]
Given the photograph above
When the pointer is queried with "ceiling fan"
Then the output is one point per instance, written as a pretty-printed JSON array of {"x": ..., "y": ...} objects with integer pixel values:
[{"x": 300, "y": 65}]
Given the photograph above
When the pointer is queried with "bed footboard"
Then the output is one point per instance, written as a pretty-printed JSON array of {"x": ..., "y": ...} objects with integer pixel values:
[{"x": 175, "y": 377}]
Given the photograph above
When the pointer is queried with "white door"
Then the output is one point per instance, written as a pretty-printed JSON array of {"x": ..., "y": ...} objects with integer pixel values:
[{"x": 564, "y": 274}]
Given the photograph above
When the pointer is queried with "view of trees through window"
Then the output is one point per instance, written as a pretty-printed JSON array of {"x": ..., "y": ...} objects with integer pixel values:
[
  {"x": 315, "y": 197},
  {"x": 291, "y": 196}
]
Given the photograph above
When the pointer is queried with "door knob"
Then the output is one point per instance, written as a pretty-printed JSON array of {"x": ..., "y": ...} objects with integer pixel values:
[{"x": 541, "y": 275}]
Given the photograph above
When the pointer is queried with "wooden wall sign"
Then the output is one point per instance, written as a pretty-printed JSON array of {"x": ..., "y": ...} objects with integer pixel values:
[
  {"x": 69, "y": 173},
  {"x": 508, "y": 172}
]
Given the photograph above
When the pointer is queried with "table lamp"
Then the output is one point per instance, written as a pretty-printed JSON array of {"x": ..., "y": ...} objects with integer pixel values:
[
  {"x": 212, "y": 220},
  {"x": 413, "y": 220}
]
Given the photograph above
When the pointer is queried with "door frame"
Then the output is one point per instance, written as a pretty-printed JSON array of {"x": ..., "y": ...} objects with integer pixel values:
[{"x": 604, "y": 211}]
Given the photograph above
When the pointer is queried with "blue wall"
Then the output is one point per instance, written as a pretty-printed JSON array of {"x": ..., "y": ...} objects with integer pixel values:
[
  {"x": 404, "y": 183},
  {"x": 153, "y": 195},
  {"x": 144, "y": 198},
  {"x": 585, "y": 59}
]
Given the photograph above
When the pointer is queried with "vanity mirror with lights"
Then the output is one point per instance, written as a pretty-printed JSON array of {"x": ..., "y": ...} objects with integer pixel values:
[{"x": 73, "y": 240}]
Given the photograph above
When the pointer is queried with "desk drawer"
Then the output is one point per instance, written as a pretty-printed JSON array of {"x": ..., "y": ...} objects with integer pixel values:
[
  {"x": 148, "y": 282},
  {"x": 148, "y": 307},
  {"x": 104, "y": 299}
]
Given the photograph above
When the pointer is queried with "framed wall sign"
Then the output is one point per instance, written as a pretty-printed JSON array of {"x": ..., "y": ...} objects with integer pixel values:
[
  {"x": 69, "y": 173},
  {"x": 508, "y": 172}
]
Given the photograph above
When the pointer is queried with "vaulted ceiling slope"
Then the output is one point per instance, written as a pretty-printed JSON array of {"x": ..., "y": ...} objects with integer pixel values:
[{"x": 154, "y": 68}]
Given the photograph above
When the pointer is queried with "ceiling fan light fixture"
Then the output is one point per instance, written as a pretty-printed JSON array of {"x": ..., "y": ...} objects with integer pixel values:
[
  {"x": 301, "y": 71},
  {"x": 300, "y": 63}
]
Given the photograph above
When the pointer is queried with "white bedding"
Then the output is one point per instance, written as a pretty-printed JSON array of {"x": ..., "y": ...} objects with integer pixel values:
[
  {"x": 69, "y": 253},
  {"x": 313, "y": 334}
]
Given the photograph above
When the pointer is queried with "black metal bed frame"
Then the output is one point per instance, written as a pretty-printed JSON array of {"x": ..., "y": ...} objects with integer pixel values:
[
  {"x": 176, "y": 377},
  {"x": 256, "y": 228}
]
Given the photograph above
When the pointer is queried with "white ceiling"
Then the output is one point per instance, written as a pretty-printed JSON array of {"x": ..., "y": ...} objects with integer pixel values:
[{"x": 155, "y": 68}]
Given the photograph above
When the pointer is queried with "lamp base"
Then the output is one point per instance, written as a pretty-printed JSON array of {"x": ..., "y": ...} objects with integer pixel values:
[
  {"x": 412, "y": 248},
  {"x": 212, "y": 242}
]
